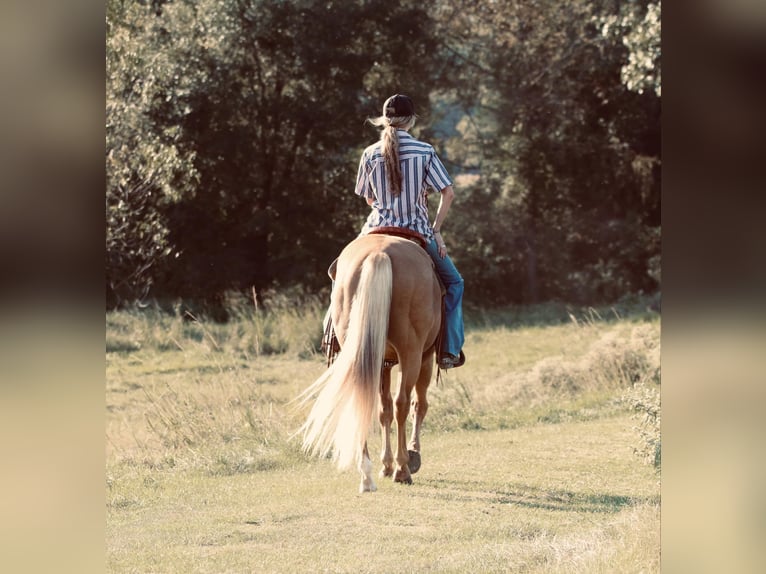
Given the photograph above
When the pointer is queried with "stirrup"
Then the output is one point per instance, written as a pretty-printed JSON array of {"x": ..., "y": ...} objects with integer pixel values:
[{"x": 450, "y": 361}]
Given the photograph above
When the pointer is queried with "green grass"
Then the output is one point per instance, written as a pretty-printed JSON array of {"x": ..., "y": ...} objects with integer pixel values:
[
  {"x": 529, "y": 454},
  {"x": 526, "y": 500}
]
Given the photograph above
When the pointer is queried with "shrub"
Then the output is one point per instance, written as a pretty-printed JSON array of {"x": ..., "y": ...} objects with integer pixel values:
[
  {"x": 615, "y": 361},
  {"x": 644, "y": 400}
]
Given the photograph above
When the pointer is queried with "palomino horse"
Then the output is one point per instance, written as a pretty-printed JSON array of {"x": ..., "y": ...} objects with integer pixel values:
[{"x": 386, "y": 307}]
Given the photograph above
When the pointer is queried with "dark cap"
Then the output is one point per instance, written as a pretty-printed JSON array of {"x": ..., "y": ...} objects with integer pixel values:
[{"x": 398, "y": 105}]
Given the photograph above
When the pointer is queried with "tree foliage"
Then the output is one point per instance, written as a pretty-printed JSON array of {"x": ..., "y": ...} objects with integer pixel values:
[
  {"x": 568, "y": 154},
  {"x": 641, "y": 35},
  {"x": 146, "y": 167},
  {"x": 234, "y": 129},
  {"x": 261, "y": 104}
]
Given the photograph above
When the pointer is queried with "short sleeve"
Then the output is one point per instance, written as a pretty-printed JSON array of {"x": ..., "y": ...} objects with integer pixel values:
[
  {"x": 363, "y": 187},
  {"x": 437, "y": 175}
]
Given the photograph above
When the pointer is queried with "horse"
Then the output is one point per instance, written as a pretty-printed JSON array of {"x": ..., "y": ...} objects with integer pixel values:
[{"x": 386, "y": 308}]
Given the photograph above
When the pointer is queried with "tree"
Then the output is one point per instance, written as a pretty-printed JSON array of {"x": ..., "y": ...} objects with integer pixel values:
[
  {"x": 145, "y": 168},
  {"x": 639, "y": 28},
  {"x": 234, "y": 128},
  {"x": 264, "y": 101},
  {"x": 569, "y": 157}
]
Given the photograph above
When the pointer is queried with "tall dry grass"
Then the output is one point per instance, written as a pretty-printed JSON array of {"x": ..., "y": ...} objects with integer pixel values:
[
  {"x": 281, "y": 323},
  {"x": 187, "y": 391}
]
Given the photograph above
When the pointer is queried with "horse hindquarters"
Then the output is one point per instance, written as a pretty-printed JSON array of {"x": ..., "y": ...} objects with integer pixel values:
[
  {"x": 385, "y": 296},
  {"x": 347, "y": 392}
]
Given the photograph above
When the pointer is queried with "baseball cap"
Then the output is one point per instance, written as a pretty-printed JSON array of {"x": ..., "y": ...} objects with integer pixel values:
[{"x": 398, "y": 105}]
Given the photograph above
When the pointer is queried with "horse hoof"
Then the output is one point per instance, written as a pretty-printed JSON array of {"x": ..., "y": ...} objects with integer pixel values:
[
  {"x": 386, "y": 472},
  {"x": 402, "y": 479},
  {"x": 367, "y": 487},
  {"x": 414, "y": 463}
]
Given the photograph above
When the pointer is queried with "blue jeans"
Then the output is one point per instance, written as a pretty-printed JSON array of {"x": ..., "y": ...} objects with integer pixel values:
[{"x": 454, "y": 337}]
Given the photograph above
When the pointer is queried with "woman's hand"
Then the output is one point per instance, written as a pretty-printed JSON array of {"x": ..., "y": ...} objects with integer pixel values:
[
  {"x": 448, "y": 194},
  {"x": 440, "y": 244}
]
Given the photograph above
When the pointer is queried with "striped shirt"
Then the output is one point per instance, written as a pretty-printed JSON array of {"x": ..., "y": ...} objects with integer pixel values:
[{"x": 421, "y": 168}]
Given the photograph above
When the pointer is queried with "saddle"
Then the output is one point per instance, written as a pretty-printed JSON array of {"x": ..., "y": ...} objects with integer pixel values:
[
  {"x": 401, "y": 232},
  {"x": 330, "y": 344}
]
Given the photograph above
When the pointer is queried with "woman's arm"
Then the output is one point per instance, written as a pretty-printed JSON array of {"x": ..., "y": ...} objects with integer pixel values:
[{"x": 447, "y": 195}]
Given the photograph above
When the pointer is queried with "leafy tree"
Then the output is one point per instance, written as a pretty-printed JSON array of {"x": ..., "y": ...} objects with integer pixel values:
[
  {"x": 234, "y": 128},
  {"x": 639, "y": 28},
  {"x": 264, "y": 100},
  {"x": 145, "y": 168},
  {"x": 569, "y": 157}
]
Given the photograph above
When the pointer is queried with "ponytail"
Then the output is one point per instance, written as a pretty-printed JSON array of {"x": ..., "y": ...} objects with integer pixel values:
[
  {"x": 390, "y": 147},
  {"x": 390, "y": 150}
]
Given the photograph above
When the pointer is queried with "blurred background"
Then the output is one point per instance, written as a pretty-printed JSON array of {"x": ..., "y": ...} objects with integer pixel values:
[{"x": 234, "y": 130}]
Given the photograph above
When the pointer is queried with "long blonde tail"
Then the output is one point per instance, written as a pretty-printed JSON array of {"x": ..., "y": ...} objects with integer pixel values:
[{"x": 347, "y": 393}]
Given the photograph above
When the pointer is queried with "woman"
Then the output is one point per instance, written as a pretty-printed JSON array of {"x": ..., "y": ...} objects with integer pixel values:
[{"x": 394, "y": 176}]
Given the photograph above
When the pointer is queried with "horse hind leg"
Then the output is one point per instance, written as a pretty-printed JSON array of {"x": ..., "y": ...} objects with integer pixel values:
[
  {"x": 365, "y": 469},
  {"x": 386, "y": 418},
  {"x": 420, "y": 408},
  {"x": 409, "y": 372}
]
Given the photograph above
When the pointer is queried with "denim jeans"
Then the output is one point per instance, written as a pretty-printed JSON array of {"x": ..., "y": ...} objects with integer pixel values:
[{"x": 454, "y": 336}]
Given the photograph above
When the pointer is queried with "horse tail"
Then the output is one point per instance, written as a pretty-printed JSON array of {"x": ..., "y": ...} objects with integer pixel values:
[{"x": 347, "y": 393}]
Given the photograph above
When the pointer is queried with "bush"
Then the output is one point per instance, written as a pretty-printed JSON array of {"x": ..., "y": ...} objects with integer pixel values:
[
  {"x": 615, "y": 361},
  {"x": 644, "y": 400}
]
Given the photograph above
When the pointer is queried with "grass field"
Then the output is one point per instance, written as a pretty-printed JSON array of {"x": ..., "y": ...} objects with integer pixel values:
[{"x": 537, "y": 455}]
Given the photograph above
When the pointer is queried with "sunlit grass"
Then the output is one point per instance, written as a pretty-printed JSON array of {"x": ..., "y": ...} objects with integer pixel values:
[
  {"x": 550, "y": 498},
  {"x": 528, "y": 451}
]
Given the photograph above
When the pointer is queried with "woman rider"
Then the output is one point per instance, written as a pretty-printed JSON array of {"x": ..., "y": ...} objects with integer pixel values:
[{"x": 394, "y": 176}]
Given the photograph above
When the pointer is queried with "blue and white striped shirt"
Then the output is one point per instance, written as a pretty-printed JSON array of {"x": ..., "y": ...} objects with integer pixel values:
[{"x": 421, "y": 168}]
